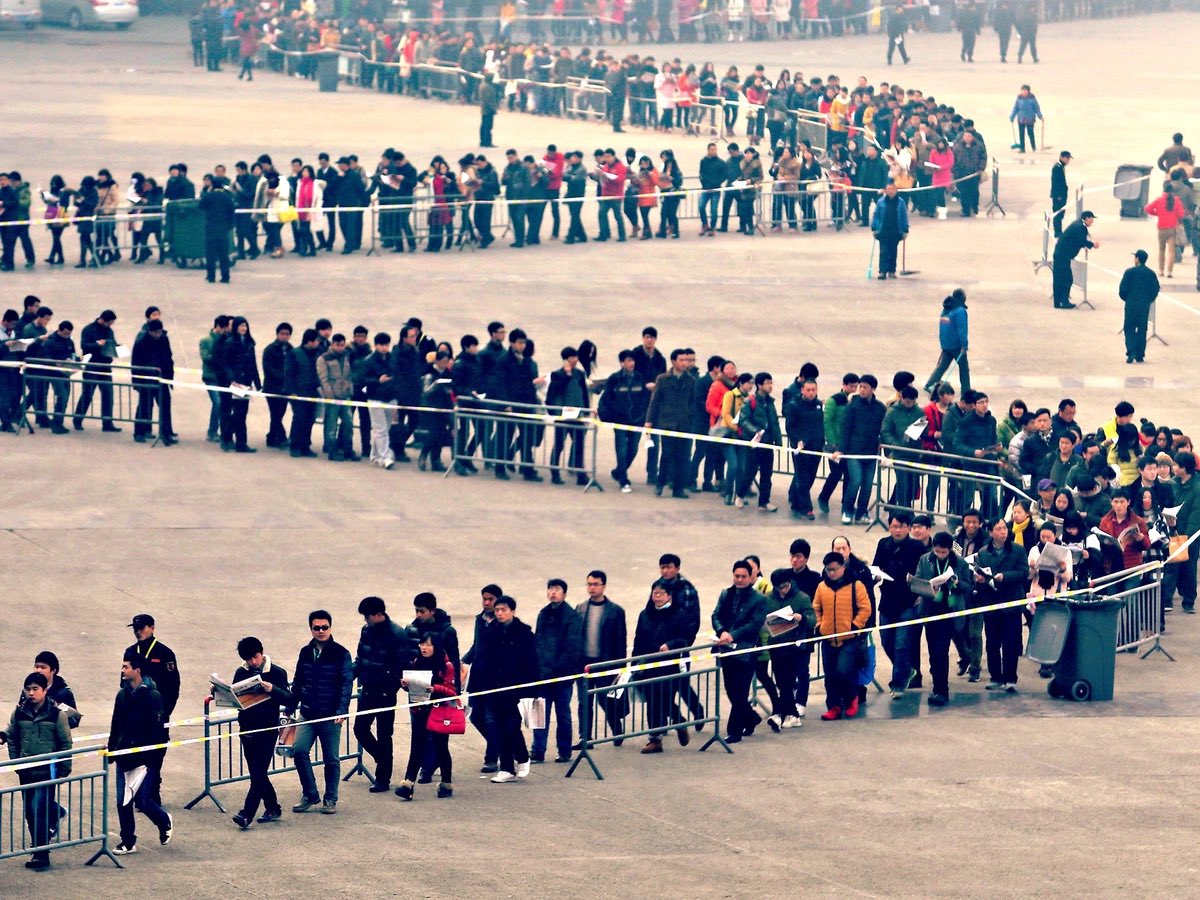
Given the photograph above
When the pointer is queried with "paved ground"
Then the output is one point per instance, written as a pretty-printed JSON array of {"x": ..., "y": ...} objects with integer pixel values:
[{"x": 975, "y": 799}]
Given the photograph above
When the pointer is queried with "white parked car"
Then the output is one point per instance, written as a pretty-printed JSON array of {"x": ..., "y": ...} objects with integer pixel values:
[
  {"x": 20, "y": 12},
  {"x": 89, "y": 13}
]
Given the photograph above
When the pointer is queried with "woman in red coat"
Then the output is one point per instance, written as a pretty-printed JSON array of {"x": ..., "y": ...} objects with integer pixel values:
[
  {"x": 1169, "y": 211},
  {"x": 430, "y": 658}
]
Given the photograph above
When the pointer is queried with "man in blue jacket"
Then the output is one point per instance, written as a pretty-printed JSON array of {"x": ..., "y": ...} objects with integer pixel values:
[
  {"x": 321, "y": 690},
  {"x": 953, "y": 337},
  {"x": 889, "y": 222},
  {"x": 859, "y": 440},
  {"x": 1025, "y": 112}
]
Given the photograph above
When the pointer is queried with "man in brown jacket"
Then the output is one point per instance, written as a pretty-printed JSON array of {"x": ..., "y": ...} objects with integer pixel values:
[{"x": 333, "y": 373}]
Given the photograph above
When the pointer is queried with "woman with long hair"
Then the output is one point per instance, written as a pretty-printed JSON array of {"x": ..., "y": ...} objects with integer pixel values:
[
  {"x": 646, "y": 179},
  {"x": 1170, "y": 213},
  {"x": 670, "y": 180},
  {"x": 310, "y": 195},
  {"x": 431, "y": 658},
  {"x": 58, "y": 216},
  {"x": 240, "y": 364},
  {"x": 86, "y": 201}
]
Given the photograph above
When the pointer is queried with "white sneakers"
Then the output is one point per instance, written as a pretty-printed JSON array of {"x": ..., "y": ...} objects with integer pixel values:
[
  {"x": 791, "y": 722},
  {"x": 776, "y": 722},
  {"x": 799, "y": 711},
  {"x": 523, "y": 769},
  {"x": 503, "y": 778}
]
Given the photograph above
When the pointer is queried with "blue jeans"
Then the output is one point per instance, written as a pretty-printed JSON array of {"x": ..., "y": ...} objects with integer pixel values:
[
  {"x": 214, "y": 414},
  {"x": 860, "y": 476},
  {"x": 330, "y": 735},
  {"x": 626, "y": 449},
  {"x": 898, "y": 645},
  {"x": 735, "y": 463},
  {"x": 708, "y": 208},
  {"x": 558, "y": 701}
]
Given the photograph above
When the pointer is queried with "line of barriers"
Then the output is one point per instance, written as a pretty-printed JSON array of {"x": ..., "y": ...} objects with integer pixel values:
[
  {"x": 74, "y": 386},
  {"x": 225, "y": 763},
  {"x": 1142, "y": 620},
  {"x": 43, "y": 816}
]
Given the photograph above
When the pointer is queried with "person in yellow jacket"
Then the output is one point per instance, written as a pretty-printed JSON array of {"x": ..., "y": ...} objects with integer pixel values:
[
  {"x": 842, "y": 605},
  {"x": 735, "y": 455}
]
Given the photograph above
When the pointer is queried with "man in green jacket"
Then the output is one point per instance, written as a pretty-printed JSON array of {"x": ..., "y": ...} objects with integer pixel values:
[
  {"x": 760, "y": 425},
  {"x": 835, "y": 411},
  {"x": 208, "y": 372},
  {"x": 38, "y": 726},
  {"x": 898, "y": 418}
]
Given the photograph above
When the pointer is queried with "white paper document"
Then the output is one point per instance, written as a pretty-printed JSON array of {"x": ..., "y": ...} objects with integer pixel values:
[
  {"x": 914, "y": 431},
  {"x": 419, "y": 683}
]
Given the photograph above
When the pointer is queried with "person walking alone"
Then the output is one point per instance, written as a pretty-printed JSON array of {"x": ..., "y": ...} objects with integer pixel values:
[
  {"x": 953, "y": 338},
  {"x": 1139, "y": 289}
]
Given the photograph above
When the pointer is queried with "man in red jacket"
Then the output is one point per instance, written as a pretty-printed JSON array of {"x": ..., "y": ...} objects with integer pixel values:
[{"x": 554, "y": 162}]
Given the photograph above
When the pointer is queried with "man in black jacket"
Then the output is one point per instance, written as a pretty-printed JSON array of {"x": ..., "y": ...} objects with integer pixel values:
[
  {"x": 1139, "y": 289},
  {"x": 481, "y": 714},
  {"x": 605, "y": 638},
  {"x": 575, "y": 180},
  {"x": 515, "y": 389},
  {"x": 559, "y": 642},
  {"x": 152, "y": 350},
  {"x": 351, "y": 195},
  {"x": 1059, "y": 191},
  {"x": 624, "y": 403},
  {"x": 57, "y": 347},
  {"x": 301, "y": 381},
  {"x": 137, "y": 721},
  {"x": 568, "y": 390},
  {"x": 737, "y": 620},
  {"x": 733, "y": 172},
  {"x": 1074, "y": 238},
  {"x": 507, "y": 657},
  {"x": 245, "y": 186},
  {"x": 897, "y": 27},
  {"x": 321, "y": 689},
  {"x": 384, "y": 648},
  {"x": 274, "y": 370},
  {"x": 218, "y": 206},
  {"x": 163, "y": 669},
  {"x": 804, "y": 416},
  {"x": 897, "y": 556},
  {"x": 98, "y": 342},
  {"x": 861, "y": 427},
  {"x": 712, "y": 177},
  {"x": 407, "y": 366},
  {"x": 258, "y": 747},
  {"x": 661, "y": 627},
  {"x": 649, "y": 363}
]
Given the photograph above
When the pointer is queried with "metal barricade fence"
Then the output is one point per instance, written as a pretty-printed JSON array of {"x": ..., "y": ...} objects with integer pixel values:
[
  {"x": 1141, "y": 621},
  {"x": 71, "y": 811},
  {"x": 76, "y": 383},
  {"x": 652, "y": 703},
  {"x": 946, "y": 488},
  {"x": 563, "y": 445},
  {"x": 225, "y": 764}
]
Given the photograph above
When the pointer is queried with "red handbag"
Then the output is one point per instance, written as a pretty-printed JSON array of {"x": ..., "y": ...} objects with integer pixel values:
[{"x": 447, "y": 719}]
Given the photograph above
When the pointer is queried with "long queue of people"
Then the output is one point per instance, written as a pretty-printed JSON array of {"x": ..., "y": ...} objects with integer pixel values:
[
  {"x": 760, "y": 631},
  {"x": 376, "y": 400}
]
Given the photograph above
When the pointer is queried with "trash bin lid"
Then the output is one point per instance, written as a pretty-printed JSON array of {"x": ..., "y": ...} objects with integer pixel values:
[{"x": 1048, "y": 633}]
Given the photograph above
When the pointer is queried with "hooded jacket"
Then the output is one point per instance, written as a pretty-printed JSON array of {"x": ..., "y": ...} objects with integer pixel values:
[
  {"x": 952, "y": 324},
  {"x": 333, "y": 372},
  {"x": 382, "y": 652},
  {"x": 657, "y": 628},
  {"x": 137, "y": 721}
]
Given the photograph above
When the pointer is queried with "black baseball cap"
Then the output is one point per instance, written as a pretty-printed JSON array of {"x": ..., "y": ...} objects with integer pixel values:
[{"x": 141, "y": 620}]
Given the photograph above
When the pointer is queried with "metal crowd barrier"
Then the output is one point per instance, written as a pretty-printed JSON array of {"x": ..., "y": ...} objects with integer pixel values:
[
  {"x": 938, "y": 484},
  {"x": 75, "y": 807},
  {"x": 658, "y": 695},
  {"x": 523, "y": 443},
  {"x": 224, "y": 763},
  {"x": 70, "y": 380},
  {"x": 1141, "y": 621}
]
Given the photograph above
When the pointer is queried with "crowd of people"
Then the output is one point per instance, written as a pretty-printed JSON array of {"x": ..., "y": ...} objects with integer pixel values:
[{"x": 764, "y": 629}]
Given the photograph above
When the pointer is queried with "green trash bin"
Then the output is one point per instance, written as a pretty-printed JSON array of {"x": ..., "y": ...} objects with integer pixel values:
[
  {"x": 1079, "y": 639},
  {"x": 327, "y": 71},
  {"x": 183, "y": 232}
]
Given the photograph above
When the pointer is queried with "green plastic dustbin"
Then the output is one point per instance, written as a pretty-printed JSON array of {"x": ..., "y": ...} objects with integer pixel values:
[
  {"x": 184, "y": 232},
  {"x": 1085, "y": 667}
]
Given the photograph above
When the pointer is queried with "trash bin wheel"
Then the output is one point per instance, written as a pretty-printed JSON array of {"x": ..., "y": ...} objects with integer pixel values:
[
  {"x": 1053, "y": 691},
  {"x": 1081, "y": 691},
  {"x": 181, "y": 263}
]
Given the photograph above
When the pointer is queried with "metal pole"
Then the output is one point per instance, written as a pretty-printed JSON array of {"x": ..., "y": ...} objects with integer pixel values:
[
  {"x": 208, "y": 791},
  {"x": 105, "y": 794}
]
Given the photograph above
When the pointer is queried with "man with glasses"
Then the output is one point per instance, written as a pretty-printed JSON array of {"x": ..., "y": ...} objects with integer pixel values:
[{"x": 321, "y": 691}]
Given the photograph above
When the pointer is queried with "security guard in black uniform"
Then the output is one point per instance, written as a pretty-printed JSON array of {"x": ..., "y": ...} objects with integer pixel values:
[{"x": 162, "y": 667}]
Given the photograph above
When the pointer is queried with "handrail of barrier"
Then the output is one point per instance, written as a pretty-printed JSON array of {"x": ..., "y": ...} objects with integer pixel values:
[
  {"x": 501, "y": 440},
  {"x": 231, "y": 764},
  {"x": 1141, "y": 620},
  {"x": 658, "y": 712},
  {"x": 75, "y": 809},
  {"x": 75, "y": 382}
]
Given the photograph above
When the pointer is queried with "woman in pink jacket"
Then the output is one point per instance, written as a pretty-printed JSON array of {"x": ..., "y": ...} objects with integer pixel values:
[
  {"x": 1170, "y": 214},
  {"x": 942, "y": 157}
]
